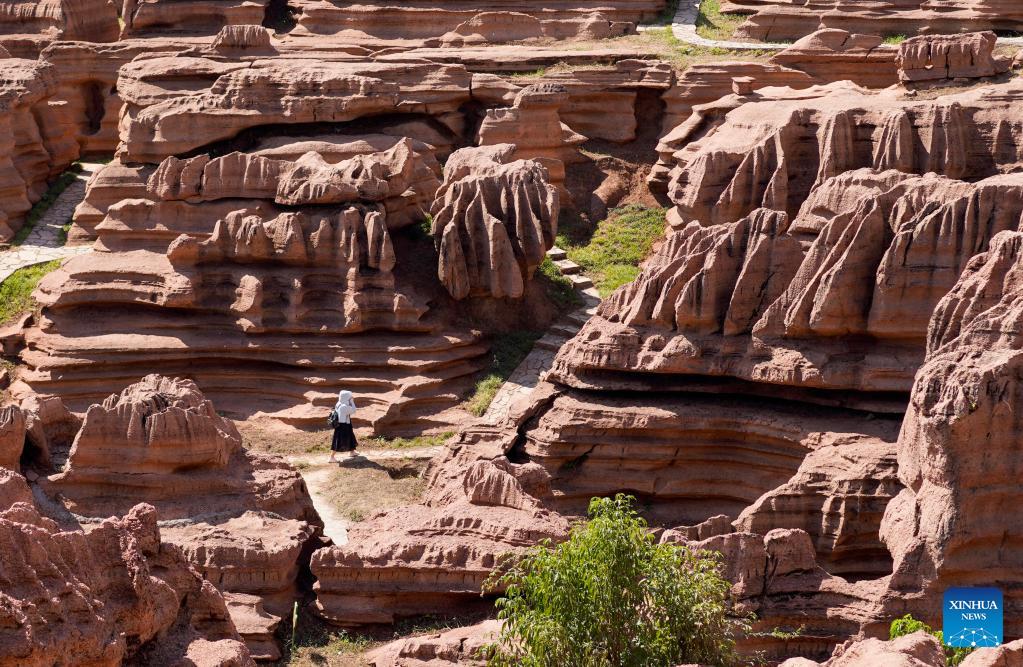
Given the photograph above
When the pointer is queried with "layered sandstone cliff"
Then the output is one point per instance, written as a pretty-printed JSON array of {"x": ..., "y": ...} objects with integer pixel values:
[
  {"x": 773, "y": 20},
  {"x": 244, "y": 520},
  {"x": 107, "y": 592}
]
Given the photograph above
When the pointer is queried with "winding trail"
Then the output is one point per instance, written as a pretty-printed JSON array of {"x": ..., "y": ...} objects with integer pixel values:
[
  {"x": 683, "y": 26},
  {"x": 44, "y": 243},
  {"x": 315, "y": 470}
]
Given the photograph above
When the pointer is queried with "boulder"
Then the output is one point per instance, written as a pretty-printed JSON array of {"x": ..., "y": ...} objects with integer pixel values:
[{"x": 944, "y": 57}]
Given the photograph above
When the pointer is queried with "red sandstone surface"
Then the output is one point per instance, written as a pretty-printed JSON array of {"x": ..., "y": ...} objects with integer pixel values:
[{"x": 813, "y": 372}]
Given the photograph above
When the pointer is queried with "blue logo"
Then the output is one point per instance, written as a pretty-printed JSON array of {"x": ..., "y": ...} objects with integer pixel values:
[{"x": 972, "y": 617}]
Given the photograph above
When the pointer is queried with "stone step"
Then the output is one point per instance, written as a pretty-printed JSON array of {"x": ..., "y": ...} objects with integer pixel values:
[
  {"x": 580, "y": 281},
  {"x": 578, "y": 317},
  {"x": 567, "y": 267},
  {"x": 551, "y": 342},
  {"x": 556, "y": 254},
  {"x": 566, "y": 330}
]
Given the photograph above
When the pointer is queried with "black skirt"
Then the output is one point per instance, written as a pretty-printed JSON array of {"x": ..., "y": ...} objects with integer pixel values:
[{"x": 344, "y": 439}]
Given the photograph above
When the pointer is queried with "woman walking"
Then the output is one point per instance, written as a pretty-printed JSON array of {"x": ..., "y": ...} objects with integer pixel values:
[{"x": 341, "y": 418}]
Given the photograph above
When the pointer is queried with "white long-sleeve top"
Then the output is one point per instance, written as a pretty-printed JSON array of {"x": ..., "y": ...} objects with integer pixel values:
[{"x": 344, "y": 411}]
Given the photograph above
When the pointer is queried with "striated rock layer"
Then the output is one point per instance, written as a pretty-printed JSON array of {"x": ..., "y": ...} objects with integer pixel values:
[
  {"x": 26, "y": 26},
  {"x": 255, "y": 219},
  {"x": 957, "y": 451},
  {"x": 244, "y": 520},
  {"x": 494, "y": 221},
  {"x": 451, "y": 21},
  {"x": 842, "y": 261},
  {"x": 36, "y": 139},
  {"x": 111, "y": 593},
  {"x": 775, "y": 20}
]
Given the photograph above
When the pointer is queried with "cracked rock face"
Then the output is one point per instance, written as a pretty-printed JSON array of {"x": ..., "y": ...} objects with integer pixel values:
[
  {"x": 244, "y": 521},
  {"x": 494, "y": 222},
  {"x": 121, "y": 592},
  {"x": 775, "y": 20}
]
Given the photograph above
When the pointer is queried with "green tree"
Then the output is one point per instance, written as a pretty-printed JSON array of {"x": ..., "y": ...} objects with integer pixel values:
[
  {"x": 907, "y": 625},
  {"x": 610, "y": 596}
]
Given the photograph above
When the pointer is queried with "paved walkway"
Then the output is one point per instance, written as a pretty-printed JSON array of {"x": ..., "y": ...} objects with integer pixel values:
[
  {"x": 532, "y": 369},
  {"x": 683, "y": 26},
  {"x": 43, "y": 243}
]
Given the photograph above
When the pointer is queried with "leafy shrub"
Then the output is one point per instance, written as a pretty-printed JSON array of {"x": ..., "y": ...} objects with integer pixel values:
[
  {"x": 610, "y": 596},
  {"x": 907, "y": 625}
]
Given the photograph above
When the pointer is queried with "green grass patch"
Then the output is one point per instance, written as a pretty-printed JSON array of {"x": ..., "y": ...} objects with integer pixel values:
[
  {"x": 43, "y": 205},
  {"x": 559, "y": 288},
  {"x": 610, "y": 254},
  {"x": 712, "y": 24},
  {"x": 16, "y": 291},
  {"x": 62, "y": 235},
  {"x": 418, "y": 442},
  {"x": 895, "y": 40},
  {"x": 507, "y": 352}
]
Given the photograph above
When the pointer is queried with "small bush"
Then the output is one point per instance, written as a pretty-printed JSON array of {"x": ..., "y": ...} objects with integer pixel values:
[
  {"x": 16, "y": 291},
  {"x": 907, "y": 625},
  {"x": 508, "y": 351},
  {"x": 895, "y": 40},
  {"x": 611, "y": 596}
]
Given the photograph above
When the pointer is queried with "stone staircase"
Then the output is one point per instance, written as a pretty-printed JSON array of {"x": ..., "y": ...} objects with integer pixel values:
[{"x": 562, "y": 330}]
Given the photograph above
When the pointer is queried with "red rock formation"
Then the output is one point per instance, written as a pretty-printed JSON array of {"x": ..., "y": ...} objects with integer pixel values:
[
  {"x": 533, "y": 125},
  {"x": 188, "y": 17},
  {"x": 36, "y": 142},
  {"x": 507, "y": 20},
  {"x": 234, "y": 280},
  {"x": 919, "y": 649},
  {"x": 604, "y": 102},
  {"x": 111, "y": 593},
  {"x": 823, "y": 57},
  {"x": 26, "y": 26},
  {"x": 12, "y": 436},
  {"x": 835, "y": 55},
  {"x": 957, "y": 452},
  {"x": 503, "y": 27},
  {"x": 776, "y": 20},
  {"x": 939, "y": 57},
  {"x": 493, "y": 222},
  {"x": 434, "y": 557},
  {"x": 244, "y": 520},
  {"x": 238, "y": 95},
  {"x": 459, "y": 646}
]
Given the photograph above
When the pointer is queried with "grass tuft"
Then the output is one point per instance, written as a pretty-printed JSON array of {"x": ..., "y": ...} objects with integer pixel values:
[
  {"x": 712, "y": 24},
  {"x": 360, "y": 491},
  {"x": 895, "y": 40},
  {"x": 559, "y": 289},
  {"x": 611, "y": 255},
  {"x": 16, "y": 291},
  {"x": 417, "y": 442},
  {"x": 508, "y": 351}
]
